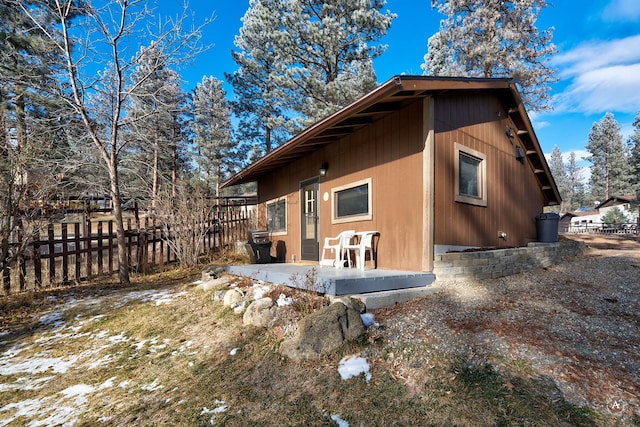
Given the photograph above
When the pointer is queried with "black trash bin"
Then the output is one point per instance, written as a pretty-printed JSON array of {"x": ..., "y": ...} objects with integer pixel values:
[
  {"x": 547, "y": 227},
  {"x": 261, "y": 244}
]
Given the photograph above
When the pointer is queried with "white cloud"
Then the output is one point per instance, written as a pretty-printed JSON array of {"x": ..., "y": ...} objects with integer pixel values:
[
  {"x": 622, "y": 10},
  {"x": 602, "y": 76}
]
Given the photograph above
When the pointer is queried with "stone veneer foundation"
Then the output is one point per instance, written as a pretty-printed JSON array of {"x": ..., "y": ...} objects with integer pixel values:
[{"x": 503, "y": 262}]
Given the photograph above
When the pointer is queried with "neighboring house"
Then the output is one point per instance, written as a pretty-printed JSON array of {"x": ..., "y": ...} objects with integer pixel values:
[
  {"x": 580, "y": 221},
  {"x": 576, "y": 222},
  {"x": 432, "y": 164}
]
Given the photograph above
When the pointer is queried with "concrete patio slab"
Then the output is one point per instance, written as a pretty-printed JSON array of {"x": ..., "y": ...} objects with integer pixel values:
[{"x": 334, "y": 281}]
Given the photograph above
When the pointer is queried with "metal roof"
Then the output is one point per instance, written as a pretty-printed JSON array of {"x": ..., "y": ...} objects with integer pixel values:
[{"x": 391, "y": 96}]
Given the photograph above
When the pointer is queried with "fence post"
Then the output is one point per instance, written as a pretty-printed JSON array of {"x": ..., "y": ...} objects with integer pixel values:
[
  {"x": 88, "y": 248},
  {"x": 37, "y": 263},
  {"x": 76, "y": 244},
  {"x": 100, "y": 253},
  {"x": 52, "y": 250},
  {"x": 65, "y": 254}
]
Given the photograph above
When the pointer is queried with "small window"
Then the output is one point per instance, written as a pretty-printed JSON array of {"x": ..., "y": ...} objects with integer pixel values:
[
  {"x": 352, "y": 202},
  {"x": 471, "y": 184},
  {"x": 277, "y": 216}
]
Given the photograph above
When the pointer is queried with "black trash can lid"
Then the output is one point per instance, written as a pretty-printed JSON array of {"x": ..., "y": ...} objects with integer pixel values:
[{"x": 548, "y": 215}]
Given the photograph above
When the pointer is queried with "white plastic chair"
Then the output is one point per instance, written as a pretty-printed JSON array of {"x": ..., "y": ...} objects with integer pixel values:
[
  {"x": 361, "y": 248},
  {"x": 336, "y": 246}
]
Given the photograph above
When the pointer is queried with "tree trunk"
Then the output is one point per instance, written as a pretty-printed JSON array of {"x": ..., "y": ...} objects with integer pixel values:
[{"x": 123, "y": 258}]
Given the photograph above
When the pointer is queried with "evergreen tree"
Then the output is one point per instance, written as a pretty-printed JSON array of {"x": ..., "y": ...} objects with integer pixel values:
[
  {"x": 153, "y": 132},
  {"x": 609, "y": 166},
  {"x": 328, "y": 51},
  {"x": 576, "y": 193},
  {"x": 481, "y": 38},
  {"x": 558, "y": 170},
  {"x": 212, "y": 133},
  {"x": 634, "y": 158},
  {"x": 261, "y": 98}
]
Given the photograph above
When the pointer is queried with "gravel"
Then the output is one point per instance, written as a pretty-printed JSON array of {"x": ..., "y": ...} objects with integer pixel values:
[{"x": 576, "y": 324}]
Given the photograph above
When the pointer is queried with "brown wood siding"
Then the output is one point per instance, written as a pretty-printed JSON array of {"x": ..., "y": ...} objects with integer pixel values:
[
  {"x": 513, "y": 195},
  {"x": 389, "y": 152}
]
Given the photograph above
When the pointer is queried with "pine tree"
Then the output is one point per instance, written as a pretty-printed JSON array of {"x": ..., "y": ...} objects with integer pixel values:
[
  {"x": 261, "y": 98},
  {"x": 329, "y": 50},
  {"x": 153, "y": 133},
  {"x": 576, "y": 195},
  {"x": 212, "y": 133},
  {"x": 609, "y": 165},
  {"x": 559, "y": 172},
  {"x": 634, "y": 158},
  {"x": 481, "y": 38}
]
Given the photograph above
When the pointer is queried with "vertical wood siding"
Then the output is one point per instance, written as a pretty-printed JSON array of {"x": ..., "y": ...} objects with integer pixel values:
[
  {"x": 513, "y": 195},
  {"x": 389, "y": 152}
]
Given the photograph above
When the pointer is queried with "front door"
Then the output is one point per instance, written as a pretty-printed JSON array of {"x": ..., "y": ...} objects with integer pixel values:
[{"x": 309, "y": 221}]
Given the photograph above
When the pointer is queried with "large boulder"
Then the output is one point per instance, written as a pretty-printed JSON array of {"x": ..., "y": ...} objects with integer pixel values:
[
  {"x": 323, "y": 331},
  {"x": 260, "y": 313}
]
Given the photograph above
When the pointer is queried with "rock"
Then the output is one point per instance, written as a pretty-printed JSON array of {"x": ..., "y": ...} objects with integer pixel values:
[
  {"x": 349, "y": 301},
  {"x": 212, "y": 271},
  {"x": 260, "y": 313},
  {"x": 232, "y": 297},
  {"x": 323, "y": 331},
  {"x": 239, "y": 307},
  {"x": 215, "y": 283}
]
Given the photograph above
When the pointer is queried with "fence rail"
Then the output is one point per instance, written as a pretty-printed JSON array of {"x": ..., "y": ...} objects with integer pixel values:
[
  {"x": 602, "y": 228},
  {"x": 67, "y": 253}
]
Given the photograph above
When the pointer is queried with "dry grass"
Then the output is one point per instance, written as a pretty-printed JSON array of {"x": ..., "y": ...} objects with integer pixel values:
[{"x": 163, "y": 353}]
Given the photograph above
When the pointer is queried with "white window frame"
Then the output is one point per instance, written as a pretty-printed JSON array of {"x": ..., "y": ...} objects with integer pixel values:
[
  {"x": 282, "y": 231},
  {"x": 481, "y": 200},
  {"x": 352, "y": 218}
]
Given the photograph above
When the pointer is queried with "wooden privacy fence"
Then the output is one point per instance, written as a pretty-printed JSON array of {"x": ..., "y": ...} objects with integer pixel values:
[{"x": 67, "y": 253}]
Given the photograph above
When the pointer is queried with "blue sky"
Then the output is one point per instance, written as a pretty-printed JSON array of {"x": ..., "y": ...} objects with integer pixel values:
[{"x": 598, "y": 61}]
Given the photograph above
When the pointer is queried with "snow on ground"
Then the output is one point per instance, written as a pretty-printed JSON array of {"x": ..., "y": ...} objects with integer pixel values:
[
  {"x": 30, "y": 363},
  {"x": 353, "y": 366}
]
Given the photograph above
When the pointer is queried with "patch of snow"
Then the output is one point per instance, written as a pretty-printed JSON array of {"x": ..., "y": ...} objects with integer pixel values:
[
  {"x": 52, "y": 318},
  {"x": 234, "y": 351},
  {"x": 124, "y": 384},
  {"x": 341, "y": 423},
  {"x": 108, "y": 383},
  {"x": 221, "y": 408},
  {"x": 120, "y": 338},
  {"x": 36, "y": 365},
  {"x": 284, "y": 300},
  {"x": 26, "y": 383},
  {"x": 368, "y": 320},
  {"x": 352, "y": 366},
  {"x": 78, "y": 391},
  {"x": 259, "y": 291},
  {"x": 152, "y": 387}
]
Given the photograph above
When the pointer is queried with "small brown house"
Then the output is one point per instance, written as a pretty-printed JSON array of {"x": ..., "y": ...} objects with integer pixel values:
[{"x": 432, "y": 164}]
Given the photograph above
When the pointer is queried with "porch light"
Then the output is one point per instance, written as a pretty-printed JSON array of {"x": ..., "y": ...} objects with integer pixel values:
[{"x": 324, "y": 168}]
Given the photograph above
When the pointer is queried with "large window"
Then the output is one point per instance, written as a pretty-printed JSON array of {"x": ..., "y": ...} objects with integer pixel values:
[
  {"x": 471, "y": 181},
  {"x": 352, "y": 202},
  {"x": 277, "y": 215}
]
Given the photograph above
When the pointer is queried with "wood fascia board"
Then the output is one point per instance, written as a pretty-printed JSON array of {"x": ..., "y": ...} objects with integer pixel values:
[
  {"x": 535, "y": 151},
  {"x": 263, "y": 165}
]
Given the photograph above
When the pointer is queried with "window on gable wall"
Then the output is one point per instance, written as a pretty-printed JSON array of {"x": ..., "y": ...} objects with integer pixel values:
[
  {"x": 471, "y": 176},
  {"x": 277, "y": 215}
]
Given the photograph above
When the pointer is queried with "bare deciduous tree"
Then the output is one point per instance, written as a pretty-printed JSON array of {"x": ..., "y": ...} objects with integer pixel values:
[{"x": 109, "y": 37}]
